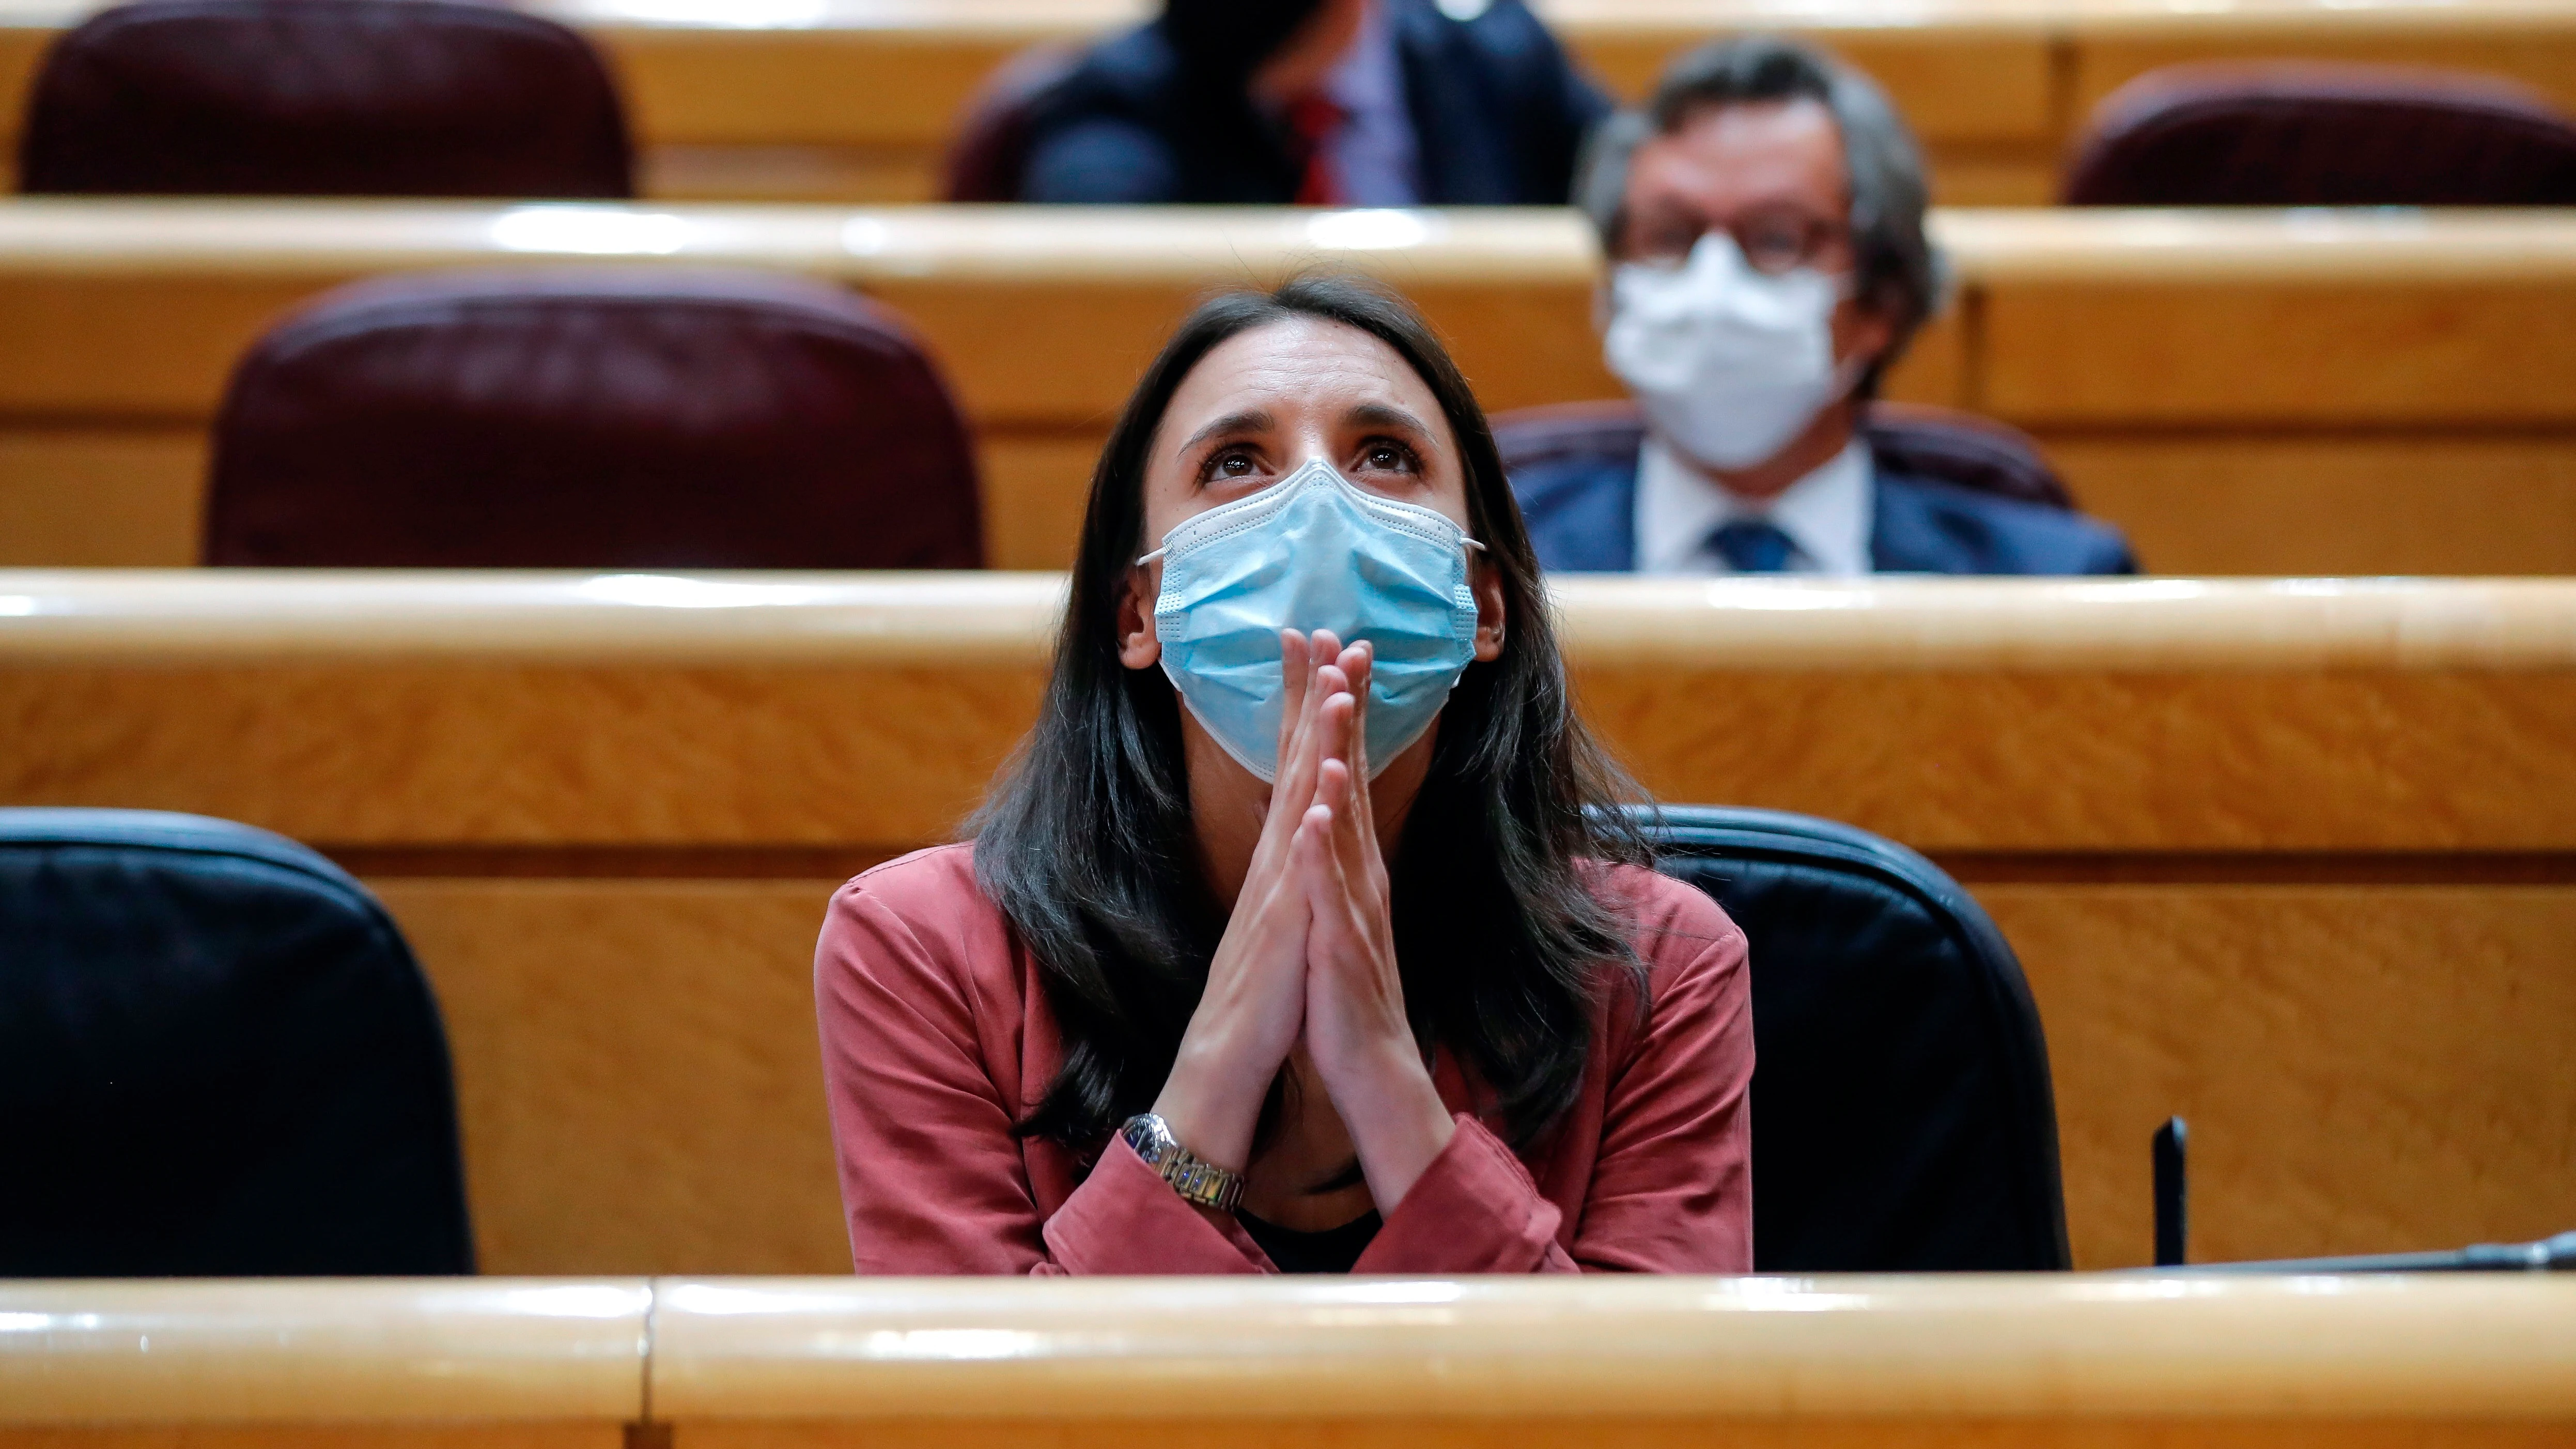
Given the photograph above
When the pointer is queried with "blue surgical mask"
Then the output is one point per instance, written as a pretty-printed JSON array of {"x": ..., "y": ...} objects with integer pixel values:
[{"x": 1314, "y": 551}]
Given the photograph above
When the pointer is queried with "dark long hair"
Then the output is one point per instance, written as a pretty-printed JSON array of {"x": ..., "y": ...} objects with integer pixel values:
[{"x": 1088, "y": 846}]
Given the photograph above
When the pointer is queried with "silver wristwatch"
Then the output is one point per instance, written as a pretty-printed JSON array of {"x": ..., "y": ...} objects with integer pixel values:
[{"x": 1192, "y": 1176}]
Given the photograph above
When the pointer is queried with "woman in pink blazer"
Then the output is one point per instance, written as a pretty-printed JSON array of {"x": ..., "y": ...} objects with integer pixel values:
[{"x": 1300, "y": 935}]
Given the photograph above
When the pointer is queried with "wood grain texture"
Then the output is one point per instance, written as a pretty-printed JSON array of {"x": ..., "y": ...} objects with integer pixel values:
[
  {"x": 637, "y": 1071},
  {"x": 560, "y": 756},
  {"x": 331, "y": 1436},
  {"x": 2365, "y": 1068},
  {"x": 2360, "y": 504},
  {"x": 1509, "y": 1352},
  {"x": 110, "y": 498},
  {"x": 2438, "y": 353},
  {"x": 1621, "y": 1432}
]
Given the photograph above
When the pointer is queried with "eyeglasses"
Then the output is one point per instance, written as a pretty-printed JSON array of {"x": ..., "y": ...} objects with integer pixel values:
[{"x": 1774, "y": 242}]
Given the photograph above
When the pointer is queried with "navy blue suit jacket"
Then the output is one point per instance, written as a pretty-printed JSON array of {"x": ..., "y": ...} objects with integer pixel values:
[
  {"x": 1582, "y": 516},
  {"x": 1499, "y": 115}
]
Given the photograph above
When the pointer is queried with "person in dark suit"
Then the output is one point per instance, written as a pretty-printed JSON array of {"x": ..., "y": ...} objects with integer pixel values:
[
  {"x": 1317, "y": 102},
  {"x": 1763, "y": 217}
]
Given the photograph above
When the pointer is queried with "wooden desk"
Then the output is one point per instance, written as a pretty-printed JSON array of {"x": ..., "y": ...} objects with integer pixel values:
[
  {"x": 761, "y": 99},
  {"x": 752, "y": 1363},
  {"x": 2276, "y": 393},
  {"x": 2002, "y": 1361},
  {"x": 314, "y": 1364},
  {"x": 2295, "y": 859}
]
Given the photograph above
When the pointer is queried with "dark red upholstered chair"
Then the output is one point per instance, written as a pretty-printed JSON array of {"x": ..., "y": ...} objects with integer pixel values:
[
  {"x": 988, "y": 147},
  {"x": 2307, "y": 134},
  {"x": 324, "y": 98},
  {"x": 1947, "y": 446},
  {"x": 585, "y": 419}
]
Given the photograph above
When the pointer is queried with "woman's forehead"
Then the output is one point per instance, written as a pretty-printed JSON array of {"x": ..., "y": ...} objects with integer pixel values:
[{"x": 1295, "y": 364}]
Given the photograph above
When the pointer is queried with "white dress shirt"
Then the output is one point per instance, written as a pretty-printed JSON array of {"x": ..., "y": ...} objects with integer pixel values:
[{"x": 1827, "y": 514}]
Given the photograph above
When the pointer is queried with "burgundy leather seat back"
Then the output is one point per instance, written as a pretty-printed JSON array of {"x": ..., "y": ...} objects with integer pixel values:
[
  {"x": 1941, "y": 444},
  {"x": 2307, "y": 134},
  {"x": 592, "y": 420},
  {"x": 988, "y": 147},
  {"x": 324, "y": 98}
]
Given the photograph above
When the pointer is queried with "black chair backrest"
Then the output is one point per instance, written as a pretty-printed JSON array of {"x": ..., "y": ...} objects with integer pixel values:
[
  {"x": 1945, "y": 445},
  {"x": 1902, "y": 1115},
  {"x": 324, "y": 98},
  {"x": 217, "y": 1057}
]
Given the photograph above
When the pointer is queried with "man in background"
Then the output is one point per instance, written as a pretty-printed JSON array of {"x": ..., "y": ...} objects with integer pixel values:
[
  {"x": 1317, "y": 102},
  {"x": 1763, "y": 216}
]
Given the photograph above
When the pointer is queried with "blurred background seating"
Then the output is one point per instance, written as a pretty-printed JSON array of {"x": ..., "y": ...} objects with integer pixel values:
[
  {"x": 216, "y": 1057},
  {"x": 1959, "y": 448},
  {"x": 323, "y": 98},
  {"x": 2307, "y": 134},
  {"x": 591, "y": 419}
]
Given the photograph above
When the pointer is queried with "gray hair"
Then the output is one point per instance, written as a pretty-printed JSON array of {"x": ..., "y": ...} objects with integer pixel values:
[{"x": 1899, "y": 275}]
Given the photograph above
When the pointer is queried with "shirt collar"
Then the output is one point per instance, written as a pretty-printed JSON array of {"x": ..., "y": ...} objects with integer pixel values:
[{"x": 1827, "y": 515}]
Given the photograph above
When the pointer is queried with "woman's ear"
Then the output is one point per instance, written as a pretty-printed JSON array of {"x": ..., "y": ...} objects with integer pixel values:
[
  {"x": 1138, "y": 647},
  {"x": 1485, "y": 581}
]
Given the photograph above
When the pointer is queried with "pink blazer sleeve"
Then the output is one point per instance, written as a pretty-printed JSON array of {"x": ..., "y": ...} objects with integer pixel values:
[
  {"x": 1671, "y": 1185},
  {"x": 932, "y": 1178}
]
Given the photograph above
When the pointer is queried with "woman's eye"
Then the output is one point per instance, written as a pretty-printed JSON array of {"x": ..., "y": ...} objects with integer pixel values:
[
  {"x": 1387, "y": 457},
  {"x": 1232, "y": 463}
]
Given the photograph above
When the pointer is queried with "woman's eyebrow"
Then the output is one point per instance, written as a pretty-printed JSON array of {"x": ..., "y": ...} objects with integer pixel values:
[
  {"x": 1251, "y": 420},
  {"x": 1385, "y": 415}
]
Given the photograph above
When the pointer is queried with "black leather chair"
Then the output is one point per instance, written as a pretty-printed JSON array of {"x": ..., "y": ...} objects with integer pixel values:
[
  {"x": 324, "y": 98},
  {"x": 579, "y": 418},
  {"x": 217, "y": 1057},
  {"x": 1902, "y": 1114},
  {"x": 1944, "y": 444}
]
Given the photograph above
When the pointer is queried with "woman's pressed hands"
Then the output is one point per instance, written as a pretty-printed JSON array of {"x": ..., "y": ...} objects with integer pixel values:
[
  {"x": 1252, "y": 1012},
  {"x": 1356, "y": 1030}
]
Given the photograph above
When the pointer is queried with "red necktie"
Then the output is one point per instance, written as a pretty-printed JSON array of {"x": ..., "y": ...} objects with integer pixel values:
[{"x": 1312, "y": 119}]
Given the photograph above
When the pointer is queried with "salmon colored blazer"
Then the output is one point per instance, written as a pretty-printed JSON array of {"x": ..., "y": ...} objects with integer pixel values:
[{"x": 937, "y": 1037}]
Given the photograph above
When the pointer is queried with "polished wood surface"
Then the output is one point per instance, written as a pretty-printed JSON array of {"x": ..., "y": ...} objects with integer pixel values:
[
  {"x": 2395, "y": 391},
  {"x": 284, "y": 1353},
  {"x": 2000, "y": 1360},
  {"x": 1498, "y": 1349},
  {"x": 754, "y": 99},
  {"x": 2296, "y": 859}
]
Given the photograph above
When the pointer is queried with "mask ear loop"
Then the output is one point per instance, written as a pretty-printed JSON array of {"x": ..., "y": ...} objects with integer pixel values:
[{"x": 1149, "y": 558}]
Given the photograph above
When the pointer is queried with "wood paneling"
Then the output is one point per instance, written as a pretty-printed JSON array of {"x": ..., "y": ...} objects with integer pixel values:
[
  {"x": 113, "y": 498},
  {"x": 2430, "y": 354},
  {"x": 2251, "y": 1010},
  {"x": 2358, "y": 504},
  {"x": 2107, "y": 54},
  {"x": 637, "y": 1072},
  {"x": 1625, "y": 1432},
  {"x": 2195, "y": 368},
  {"x": 636, "y": 1063},
  {"x": 2297, "y": 861}
]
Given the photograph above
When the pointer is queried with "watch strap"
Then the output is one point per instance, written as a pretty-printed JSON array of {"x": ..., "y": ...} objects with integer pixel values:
[{"x": 1194, "y": 1177}]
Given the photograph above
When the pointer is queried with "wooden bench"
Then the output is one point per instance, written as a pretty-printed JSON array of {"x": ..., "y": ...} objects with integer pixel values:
[
  {"x": 2017, "y": 1362},
  {"x": 2268, "y": 393},
  {"x": 2294, "y": 859},
  {"x": 2006, "y": 1361},
  {"x": 277, "y": 1364},
  {"x": 853, "y": 100}
]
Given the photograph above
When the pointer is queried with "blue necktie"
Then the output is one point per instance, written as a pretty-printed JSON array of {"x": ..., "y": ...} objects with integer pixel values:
[{"x": 1751, "y": 546}]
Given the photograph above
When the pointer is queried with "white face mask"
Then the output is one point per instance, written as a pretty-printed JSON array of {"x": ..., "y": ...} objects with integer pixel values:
[{"x": 1728, "y": 364}]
